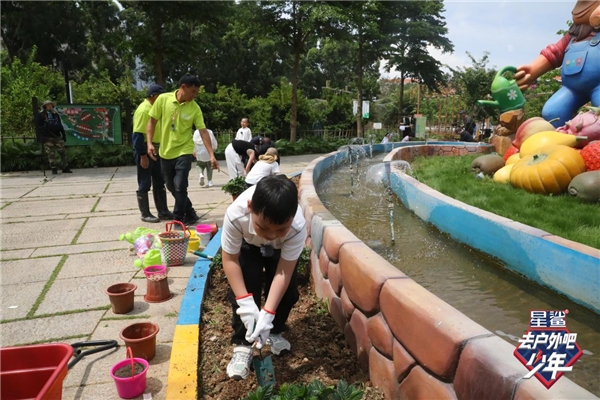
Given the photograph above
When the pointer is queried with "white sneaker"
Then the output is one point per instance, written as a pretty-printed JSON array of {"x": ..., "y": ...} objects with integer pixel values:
[
  {"x": 210, "y": 184},
  {"x": 239, "y": 366},
  {"x": 201, "y": 180},
  {"x": 278, "y": 344}
]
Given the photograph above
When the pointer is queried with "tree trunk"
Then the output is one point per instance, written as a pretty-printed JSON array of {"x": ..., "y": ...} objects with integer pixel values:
[
  {"x": 401, "y": 100},
  {"x": 359, "y": 108},
  {"x": 294, "y": 119},
  {"x": 158, "y": 55}
]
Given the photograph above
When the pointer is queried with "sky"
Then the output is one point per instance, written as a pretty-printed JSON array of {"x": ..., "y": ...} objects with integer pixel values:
[{"x": 513, "y": 32}]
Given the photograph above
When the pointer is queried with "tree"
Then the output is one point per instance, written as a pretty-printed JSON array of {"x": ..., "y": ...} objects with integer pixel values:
[
  {"x": 272, "y": 115},
  {"x": 20, "y": 81},
  {"x": 538, "y": 94},
  {"x": 241, "y": 57},
  {"x": 107, "y": 44},
  {"x": 172, "y": 37},
  {"x": 364, "y": 24},
  {"x": 474, "y": 83},
  {"x": 295, "y": 23},
  {"x": 418, "y": 25},
  {"x": 57, "y": 28}
]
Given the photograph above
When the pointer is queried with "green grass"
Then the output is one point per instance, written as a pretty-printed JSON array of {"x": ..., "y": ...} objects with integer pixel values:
[
  {"x": 74, "y": 241},
  {"x": 563, "y": 215},
  {"x": 125, "y": 317},
  {"x": 60, "y": 339},
  {"x": 68, "y": 312},
  {"x": 47, "y": 287}
]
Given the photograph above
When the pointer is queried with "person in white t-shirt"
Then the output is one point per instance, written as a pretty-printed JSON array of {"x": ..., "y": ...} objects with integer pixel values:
[
  {"x": 244, "y": 133},
  {"x": 202, "y": 156},
  {"x": 267, "y": 165},
  {"x": 263, "y": 232}
]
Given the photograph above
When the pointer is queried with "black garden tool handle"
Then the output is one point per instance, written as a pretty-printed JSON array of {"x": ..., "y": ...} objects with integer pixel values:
[{"x": 101, "y": 346}]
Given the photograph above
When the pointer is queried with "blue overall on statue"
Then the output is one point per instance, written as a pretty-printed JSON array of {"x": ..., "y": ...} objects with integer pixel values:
[
  {"x": 581, "y": 81},
  {"x": 578, "y": 53}
]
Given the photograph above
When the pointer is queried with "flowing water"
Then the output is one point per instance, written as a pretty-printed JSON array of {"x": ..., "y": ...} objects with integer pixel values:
[{"x": 467, "y": 279}]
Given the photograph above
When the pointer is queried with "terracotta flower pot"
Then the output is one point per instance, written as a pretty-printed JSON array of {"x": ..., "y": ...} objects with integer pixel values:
[
  {"x": 214, "y": 228},
  {"x": 141, "y": 338},
  {"x": 157, "y": 289},
  {"x": 121, "y": 297}
]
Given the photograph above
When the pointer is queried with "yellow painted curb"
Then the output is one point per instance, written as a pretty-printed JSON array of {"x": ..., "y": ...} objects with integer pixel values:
[{"x": 182, "y": 382}]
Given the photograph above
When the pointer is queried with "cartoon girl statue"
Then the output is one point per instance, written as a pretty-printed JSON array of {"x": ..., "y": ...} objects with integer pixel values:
[{"x": 578, "y": 52}]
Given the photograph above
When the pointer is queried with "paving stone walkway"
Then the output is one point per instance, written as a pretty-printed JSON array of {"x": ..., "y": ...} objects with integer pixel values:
[{"x": 59, "y": 251}]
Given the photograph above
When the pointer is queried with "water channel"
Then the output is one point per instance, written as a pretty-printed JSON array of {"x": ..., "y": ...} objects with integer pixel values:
[{"x": 467, "y": 279}]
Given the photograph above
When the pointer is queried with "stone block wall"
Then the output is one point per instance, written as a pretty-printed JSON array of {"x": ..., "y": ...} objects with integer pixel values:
[{"x": 413, "y": 344}]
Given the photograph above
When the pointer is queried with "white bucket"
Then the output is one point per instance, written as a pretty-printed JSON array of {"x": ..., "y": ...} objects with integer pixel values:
[{"x": 204, "y": 238}]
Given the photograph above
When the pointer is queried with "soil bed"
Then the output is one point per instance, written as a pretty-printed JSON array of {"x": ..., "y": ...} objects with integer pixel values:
[
  {"x": 125, "y": 371},
  {"x": 319, "y": 350}
]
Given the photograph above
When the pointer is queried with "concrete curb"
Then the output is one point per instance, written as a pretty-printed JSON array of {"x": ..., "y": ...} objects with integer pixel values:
[{"x": 182, "y": 382}]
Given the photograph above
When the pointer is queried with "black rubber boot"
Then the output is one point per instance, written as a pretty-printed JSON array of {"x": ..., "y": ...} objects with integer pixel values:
[
  {"x": 160, "y": 201},
  {"x": 67, "y": 170},
  {"x": 54, "y": 171},
  {"x": 191, "y": 218},
  {"x": 144, "y": 207}
]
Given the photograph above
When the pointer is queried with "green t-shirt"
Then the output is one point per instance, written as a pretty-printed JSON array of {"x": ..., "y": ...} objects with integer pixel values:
[
  {"x": 176, "y": 120},
  {"x": 140, "y": 121}
]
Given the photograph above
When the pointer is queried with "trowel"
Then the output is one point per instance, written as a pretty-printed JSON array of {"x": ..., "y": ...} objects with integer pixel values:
[
  {"x": 203, "y": 255},
  {"x": 263, "y": 367}
]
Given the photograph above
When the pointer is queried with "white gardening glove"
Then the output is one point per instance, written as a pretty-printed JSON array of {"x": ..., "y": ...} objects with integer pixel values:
[
  {"x": 263, "y": 328},
  {"x": 248, "y": 313}
]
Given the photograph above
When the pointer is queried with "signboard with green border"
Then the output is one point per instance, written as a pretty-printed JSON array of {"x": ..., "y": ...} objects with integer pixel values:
[{"x": 91, "y": 123}]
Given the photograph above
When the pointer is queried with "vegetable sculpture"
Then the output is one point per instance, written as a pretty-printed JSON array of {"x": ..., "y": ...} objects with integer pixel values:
[
  {"x": 543, "y": 139},
  {"x": 591, "y": 156},
  {"x": 503, "y": 174},
  {"x": 547, "y": 170},
  {"x": 584, "y": 124}
]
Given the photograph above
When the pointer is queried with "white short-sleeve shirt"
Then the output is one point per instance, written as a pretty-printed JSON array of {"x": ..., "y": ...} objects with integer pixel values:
[
  {"x": 244, "y": 134},
  {"x": 237, "y": 226},
  {"x": 260, "y": 170}
]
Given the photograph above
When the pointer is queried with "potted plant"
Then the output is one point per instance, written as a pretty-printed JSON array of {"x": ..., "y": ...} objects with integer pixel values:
[{"x": 235, "y": 186}]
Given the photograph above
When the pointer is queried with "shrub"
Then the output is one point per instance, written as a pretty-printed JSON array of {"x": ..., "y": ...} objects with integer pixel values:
[
  {"x": 21, "y": 156},
  {"x": 313, "y": 391},
  {"x": 235, "y": 186}
]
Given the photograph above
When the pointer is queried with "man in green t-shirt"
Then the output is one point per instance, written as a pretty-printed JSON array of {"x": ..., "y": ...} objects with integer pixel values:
[
  {"x": 148, "y": 170},
  {"x": 178, "y": 113}
]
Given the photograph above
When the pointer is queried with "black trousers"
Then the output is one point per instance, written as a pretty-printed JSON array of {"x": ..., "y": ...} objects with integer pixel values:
[
  {"x": 150, "y": 177},
  {"x": 258, "y": 270},
  {"x": 176, "y": 173}
]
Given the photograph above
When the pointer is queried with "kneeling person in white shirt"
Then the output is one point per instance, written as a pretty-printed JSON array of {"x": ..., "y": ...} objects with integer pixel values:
[{"x": 267, "y": 165}]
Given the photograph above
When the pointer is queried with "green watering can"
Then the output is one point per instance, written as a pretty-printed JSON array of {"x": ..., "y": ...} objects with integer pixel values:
[{"x": 506, "y": 94}]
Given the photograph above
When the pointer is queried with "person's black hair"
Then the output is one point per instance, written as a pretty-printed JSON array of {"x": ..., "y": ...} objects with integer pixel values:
[
  {"x": 189, "y": 80},
  {"x": 262, "y": 149},
  {"x": 276, "y": 199}
]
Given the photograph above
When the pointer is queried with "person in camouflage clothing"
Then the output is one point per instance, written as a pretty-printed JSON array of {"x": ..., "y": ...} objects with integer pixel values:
[{"x": 52, "y": 134}]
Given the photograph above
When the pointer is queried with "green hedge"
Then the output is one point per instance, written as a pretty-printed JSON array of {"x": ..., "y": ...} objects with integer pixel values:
[
  {"x": 21, "y": 156},
  {"x": 27, "y": 156}
]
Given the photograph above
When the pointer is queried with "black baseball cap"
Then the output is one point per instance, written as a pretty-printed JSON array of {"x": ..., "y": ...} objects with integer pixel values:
[
  {"x": 155, "y": 90},
  {"x": 462, "y": 112}
]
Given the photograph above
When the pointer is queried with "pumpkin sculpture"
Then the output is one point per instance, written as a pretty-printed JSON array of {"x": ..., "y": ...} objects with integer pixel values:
[{"x": 548, "y": 170}]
